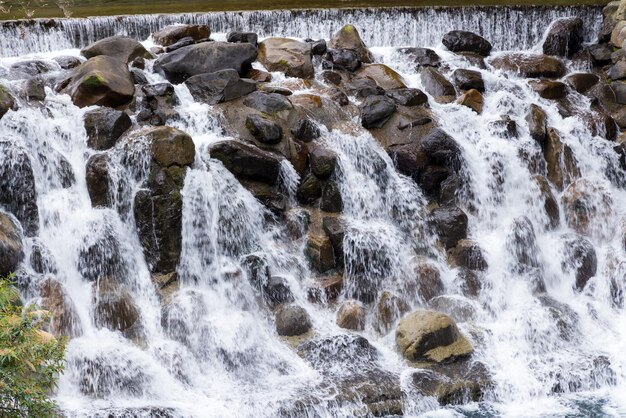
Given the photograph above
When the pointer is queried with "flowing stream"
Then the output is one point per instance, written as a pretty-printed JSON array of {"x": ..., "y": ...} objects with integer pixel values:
[{"x": 216, "y": 353}]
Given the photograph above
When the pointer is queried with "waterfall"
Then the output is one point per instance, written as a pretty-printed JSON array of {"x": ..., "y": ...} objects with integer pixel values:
[
  {"x": 202, "y": 341},
  {"x": 505, "y": 27}
]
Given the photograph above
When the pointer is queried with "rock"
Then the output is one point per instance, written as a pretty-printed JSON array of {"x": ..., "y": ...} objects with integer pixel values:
[
  {"x": 41, "y": 259},
  {"x": 105, "y": 126},
  {"x": 169, "y": 35},
  {"x": 618, "y": 71},
  {"x": 428, "y": 278},
  {"x": 579, "y": 257},
  {"x": 468, "y": 80},
  {"x": 587, "y": 206},
  {"x": 441, "y": 149},
  {"x": 364, "y": 87},
  {"x": 458, "y": 307},
  {"x": 323, "y": 162},
  {"x": 431, "y": 336},
  {"x": 115, "y": 309},
  {"x": 376, "y": 111},
  {"x": 423, "y": 57},
  {"x": 179, "y": 44},
  {"x": 11, "y": 246},
  {"x": 335, "y": 230},
  {"x": 276, "y": 89},
  {"x": 600, "y": 54},
  {"x": 158, "y": 106},
  {"x": 306, "y": 130},
  {"x": 269, "y": 103},
  {"x": 139, "y": 77},
  {"x": 529, "y": 65},
  {"x": 472, "y": 99},
  {"x": 505, "y": 127},
  {"x": 18, "y": 193},
  {"x": 351, "y": 315},
  {"x": 537, "y": 121},
  {"x": 457, "y": 384},
  {"x": 407, "y": 97},
  {"x": 561, "y": 163},
  {"x": 318, "y": 47},
  {"x": 474, "y": 59},
  {"x": 385, "y": 77},
  {"x": 450, "y": 223},
  {"x": 263, "y": 129},
  {"x": 29, "y": 68},
  {"x": 342, "y": 60},
  {"x": 64, "y": 321},
  {"x": 246, "y": 161},
  {"x": 521, "y": 242},
  {"x": 139, "y": 63},
  {"x": 618, "y": 34},
  {"x": 158, "y": 205},
  {"x": 468, "y": 254},
  {"x": 242, "y": 37},
  {"x": 102, "y": 81},
  {"x": 582, "y": 82},
  {"x": 463, "y": 41},
  {"x": 348, "y": 38},
  {"x": 7, "y": 101},
  {"x": 67, "y": 62},
  {"x": 331, "y": 198},
  {"x": 259, "y": 75},
  {"x": 565, "y": 37},
  {"x": 205, "y": 57},
  {"x": 33, "y": 89},
  {"x": 437, "y": 85},
  {"x": 120, "y": 47},
  {"x": 319, "y": 252},
  {"x": 388, "y": 310},
  {"x": 551, "y": 90},
  {"x": 99, "y": 181},
  {"x": 292, "y": 320},
  {"x": 288, "y": 56},
  {"x": 550, "y": 204}
]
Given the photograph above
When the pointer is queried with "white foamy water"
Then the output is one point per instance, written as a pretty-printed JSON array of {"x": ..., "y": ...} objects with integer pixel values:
[{"x": 214, "y": 351}]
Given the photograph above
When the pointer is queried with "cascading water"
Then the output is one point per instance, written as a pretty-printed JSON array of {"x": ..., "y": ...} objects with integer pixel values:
[{"x": 210, "y": 348}]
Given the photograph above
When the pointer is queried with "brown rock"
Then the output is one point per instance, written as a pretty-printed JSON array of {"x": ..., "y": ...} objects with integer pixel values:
[
  {"x": 287, "y": 55},
  {"x": 472, "y": 99},
  {"x": 351, "y": 315}
]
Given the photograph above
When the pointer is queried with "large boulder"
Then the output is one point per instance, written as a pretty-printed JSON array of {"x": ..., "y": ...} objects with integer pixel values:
[
  {"x": 431, "y": 336},
  {"x": 18, "y": 193},
  {"x": 376, "y": 111},
  {"x": 292, "y": 320},
  {"x": 351, "y": 315},
  {"x": 169, "y": 35},
  {"x": 220, "y": 86},
  {"x": 463, "y": 41},
  {"x": 468, "y": 254},
  {"x": 529, "y": 65},
  {"x": 115, "y": 308},
  {"x": 268, "y": 103},
  {"x": 7, "y": 101},
  {"x": 206, "y": 57},
  {"x": 263, "y": 129},
  {"x": 468, "y": 80},
  {"x": 288, "y": 56},
  {"x": 102, "y": 81},
  {"x": 348, "y": 38},
  {"x": 64, "y": 320},
  {"x": 436, "y": 84},
  {"x": 472, "y": 99},
  {"x": 407, "y": 96},
  {"x": 385, "y": 77},
  {"x": 561, "y": 162},
  {"x": 453, "y": 384},
  {"x": 450, "y": 223},
  {"x": 423, "y": 57},
  {"x": 548, "y": 89},
  {"x": 579, "y": 258},
  {"x": 341, "y": 59},
  {"x": 388, "y": 310},
  {"x": 247, "y": 161},
  {"x": 564, "y": 38},
  {"x": 105, "y": 126},
  {"x": 99, "y": 180},
  {"x": 587, "y": 206},
  {"x": 11, "y": 247},
  {"x": 158, "y": 206},
  {"x": 122, "y": 48},
  {"x": 428, "y": 280}
]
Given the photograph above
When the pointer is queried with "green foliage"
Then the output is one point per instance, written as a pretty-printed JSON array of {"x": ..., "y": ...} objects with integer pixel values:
[{"x": 30, "y": 359}]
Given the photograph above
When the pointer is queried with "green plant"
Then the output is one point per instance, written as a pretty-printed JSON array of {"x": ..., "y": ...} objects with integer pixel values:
[{"x": 30, "y": 358}]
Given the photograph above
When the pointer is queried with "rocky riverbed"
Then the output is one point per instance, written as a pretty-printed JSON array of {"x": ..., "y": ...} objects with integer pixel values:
[{"x": 342, "y": 230}]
